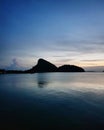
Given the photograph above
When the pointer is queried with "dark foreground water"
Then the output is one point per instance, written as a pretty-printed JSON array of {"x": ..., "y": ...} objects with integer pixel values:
[{"x": 52, "y": 100}]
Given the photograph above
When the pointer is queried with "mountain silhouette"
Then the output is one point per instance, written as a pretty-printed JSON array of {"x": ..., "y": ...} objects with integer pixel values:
[
  {"x": 43, "y": 66},
  {"x": 46, "y": 66},
  {"x": 70, "y": 68}
]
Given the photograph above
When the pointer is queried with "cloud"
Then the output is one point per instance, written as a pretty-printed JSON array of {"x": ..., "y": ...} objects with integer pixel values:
[
  {"x": 14, "y": 65},
  {"x": 80, "y": 45},
  {"x": 95, "y": 60}
]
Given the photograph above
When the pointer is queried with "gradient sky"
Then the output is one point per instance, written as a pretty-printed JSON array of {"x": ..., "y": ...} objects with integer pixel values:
[{"x": 61, "y": 31}]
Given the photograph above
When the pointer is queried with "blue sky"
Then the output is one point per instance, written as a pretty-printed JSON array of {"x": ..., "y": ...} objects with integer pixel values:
[{"x": 61, "y": 31}]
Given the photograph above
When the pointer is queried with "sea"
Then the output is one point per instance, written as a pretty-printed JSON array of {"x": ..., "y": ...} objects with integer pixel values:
[{"x": 52, "y": 101}]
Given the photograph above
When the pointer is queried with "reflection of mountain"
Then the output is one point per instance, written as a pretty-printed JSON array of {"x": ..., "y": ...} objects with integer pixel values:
[
  {"x": 42, "y": 80},
  {"x": 45, "y": 66}
]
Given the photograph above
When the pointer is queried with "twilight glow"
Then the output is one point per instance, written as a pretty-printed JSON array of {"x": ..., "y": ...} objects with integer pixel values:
[{"x": 61, "y": 31}]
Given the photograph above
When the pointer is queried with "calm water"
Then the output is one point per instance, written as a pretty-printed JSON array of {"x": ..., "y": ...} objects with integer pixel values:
[{"x": 52, "y": 100}]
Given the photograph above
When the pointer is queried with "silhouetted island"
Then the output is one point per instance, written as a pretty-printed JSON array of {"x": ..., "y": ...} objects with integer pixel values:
[
  {"x": 45, "y": 66},
  {"x": 3, "y": 71},
  {"x": 70, "y": 68}
]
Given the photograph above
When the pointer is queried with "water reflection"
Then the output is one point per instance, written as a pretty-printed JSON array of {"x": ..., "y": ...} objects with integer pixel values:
[
  {"x": 42, "y": 80},
  {"x": 67, "y": 100}
]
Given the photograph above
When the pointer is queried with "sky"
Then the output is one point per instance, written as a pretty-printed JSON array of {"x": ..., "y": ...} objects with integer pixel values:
[{"x": 60, "y": 31}]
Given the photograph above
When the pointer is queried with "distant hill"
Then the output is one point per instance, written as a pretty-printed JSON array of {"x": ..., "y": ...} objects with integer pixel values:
[
  {"x": 43, "y": 66},
  {"x": 70, "y": 68},
  {"x": 46, "y": 66},
  {"x": 2, "y": 71}
]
